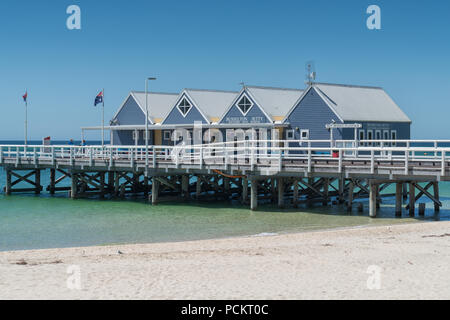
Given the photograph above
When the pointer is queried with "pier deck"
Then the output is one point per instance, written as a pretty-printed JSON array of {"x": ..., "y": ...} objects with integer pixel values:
[{"x": 301, "y": 171}]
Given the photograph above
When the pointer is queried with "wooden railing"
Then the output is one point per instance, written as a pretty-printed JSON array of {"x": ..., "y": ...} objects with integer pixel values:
[{"x": 373, "y": 154}]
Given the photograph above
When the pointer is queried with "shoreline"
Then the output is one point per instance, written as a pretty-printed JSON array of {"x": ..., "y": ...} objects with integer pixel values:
[
  {"x": 256, "y": 235},
  {"x": 319, "y": 264}
]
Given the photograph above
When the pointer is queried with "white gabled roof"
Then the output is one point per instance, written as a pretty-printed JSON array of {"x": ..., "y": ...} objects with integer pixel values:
[
  {"x": 158, "y": 103},
  {"x": 359, "y": 103},
  {"x": 212, "y": 103},
  {"x": 276, "y": 102}
]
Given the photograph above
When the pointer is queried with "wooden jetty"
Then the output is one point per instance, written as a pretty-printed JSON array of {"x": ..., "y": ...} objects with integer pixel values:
[{"x": 288, "y": 173}]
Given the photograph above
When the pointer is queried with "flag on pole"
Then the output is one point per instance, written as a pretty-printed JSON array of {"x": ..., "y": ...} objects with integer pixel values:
[
  {"x": 25, "y": 96},
  {"x": 98, "y": 98}
]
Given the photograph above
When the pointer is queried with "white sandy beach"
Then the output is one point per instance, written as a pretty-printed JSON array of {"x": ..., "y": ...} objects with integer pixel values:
[{"x": 414, "y": 260}]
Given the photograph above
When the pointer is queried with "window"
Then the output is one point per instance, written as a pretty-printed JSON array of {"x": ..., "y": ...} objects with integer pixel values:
[
  {"x": 378, "y": 137},
  {"x": 386, "y": 135},
  {"x": 370, "y": 136},
  {"x": 135, "y": 135},
  {"x": 304, "y": 134},
  {"x": 244, "y": 104},
  {"x": 184, "y": 106},
  {"x": 362, "y": 136},
  {"x": 393, "y": 136},
  {"x": 167, "y": 135},
  {"x": 290, "y": 134}
]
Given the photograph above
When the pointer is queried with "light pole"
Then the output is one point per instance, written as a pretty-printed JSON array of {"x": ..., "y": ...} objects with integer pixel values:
[{"x": 146, "y": 124}]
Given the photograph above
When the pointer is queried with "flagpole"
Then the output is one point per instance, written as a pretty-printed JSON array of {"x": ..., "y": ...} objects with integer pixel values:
[
  {"x": 103, "y": 117},
  {"x": 26, "y": 120}
]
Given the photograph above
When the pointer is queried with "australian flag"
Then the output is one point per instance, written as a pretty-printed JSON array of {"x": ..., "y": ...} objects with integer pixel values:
[
  {"x": 98, "y": 98},
  {"x": 25, "y": 96}
]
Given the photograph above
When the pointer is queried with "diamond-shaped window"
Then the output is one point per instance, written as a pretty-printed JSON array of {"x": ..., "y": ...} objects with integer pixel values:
[
  {"x": 244, "y": 104},
  {"x": 184, "y": 106}
]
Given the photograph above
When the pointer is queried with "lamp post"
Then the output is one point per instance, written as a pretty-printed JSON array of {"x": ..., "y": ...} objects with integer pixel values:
[{"x": 146, "y": 123}]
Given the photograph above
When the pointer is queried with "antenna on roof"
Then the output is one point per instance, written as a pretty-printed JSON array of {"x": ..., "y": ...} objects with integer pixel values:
[
  {"x": 242, "y": 84},
  {"x": 310, "y": 72}
]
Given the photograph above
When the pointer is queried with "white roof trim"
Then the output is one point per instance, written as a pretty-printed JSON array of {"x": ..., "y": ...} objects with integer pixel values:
[
  {"x": 123, "y": 105},
  {"x": 245, "y": 91},
  {"x": 259, "y": 105},
  {"x": 328, "y": 103},
  {"x": 185, "y": 93},
  {"x": 303, "y": 96}
]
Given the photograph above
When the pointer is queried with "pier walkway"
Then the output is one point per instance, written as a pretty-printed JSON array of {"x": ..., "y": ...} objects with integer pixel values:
[{"x": 298, "y": 171}]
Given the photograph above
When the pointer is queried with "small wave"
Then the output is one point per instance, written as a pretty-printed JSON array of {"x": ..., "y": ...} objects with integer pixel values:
[{"x": 265, "y": 234}]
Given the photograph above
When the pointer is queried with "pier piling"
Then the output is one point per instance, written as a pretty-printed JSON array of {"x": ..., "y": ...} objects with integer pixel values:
[
  {"x": 398, "y": 198},
  {"x": 373, "y": 199},
  {"x": 436, "y": 196},
  {"x": 280, "y": 184},
  {"x": 412, "y": 199},
  {"x": 253, "y": 194}
]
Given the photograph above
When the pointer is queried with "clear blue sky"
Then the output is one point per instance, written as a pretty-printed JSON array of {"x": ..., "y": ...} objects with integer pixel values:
[{"x": 215, "y": 45}]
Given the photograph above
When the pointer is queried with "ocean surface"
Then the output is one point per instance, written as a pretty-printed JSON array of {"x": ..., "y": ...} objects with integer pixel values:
[{"x": 34, "y": 222}]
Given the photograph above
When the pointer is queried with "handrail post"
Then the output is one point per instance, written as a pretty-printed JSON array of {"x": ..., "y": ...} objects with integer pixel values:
[
  {"x": 91, "y": 160},
  {"x": 153, "y": 156},
  {"x": 34, "y": 156},
  {"x": 53, "y": 156},
  {"x": 340, "y": 160},
  {"x": 443, "y": 162},
  {"x": 406, "y": 161},
  {"x": 252, "y": 159},
  {"x": 280, "y": 161},
  {"x": 309, "y": 160},
  {"x": 110, "y": 157},
  {"x": 435, "y": 147},
  {"x": 1, "y": 155},
  {"x": 201, "y": 157},
  {"x": 372, "y": 161},
  {"x": 71, "y": 156}
]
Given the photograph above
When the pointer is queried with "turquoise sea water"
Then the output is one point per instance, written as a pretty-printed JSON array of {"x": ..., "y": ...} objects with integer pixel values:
[{"x": 32, "y": 222}]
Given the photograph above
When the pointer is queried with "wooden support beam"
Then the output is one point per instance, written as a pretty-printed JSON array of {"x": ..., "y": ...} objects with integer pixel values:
[
  {"x": 421, "y": 209},
  {"x": 146, "y": 186},
  {"x": 326, "y": 182},
  {"x": 167, "y": 183},
  {"x": 412, "y": 199},
  {"x": 436, "y": 196},
  {"x": 23, "y": 178},
  {"x": 116, "y": 184},
  {"x": 111, "y": 182},
  {"x": 295, "y": 196},
  {"x": 74, "y": 187},
  {"x": 398, "y": 198},
  {"x": 52, "y": 181},
  {"x": 280, "y": 184},
  {"x": 253, "y": 194},
  {"x": 351, "y": 190},
  {"x": 421, "y": 192},
  {"x": 424, "y": 191},
  {"x": 341, "y": 190},
  {"x": 8, "y": 182},
  {"x": 155, "y": 190},
  {"x": 198, "y": 187},
  {"x": 244, "y": 190},
  {"x": 37, "y": 179},
  {"x": 185, "y": 186},
  {"x": 273, "y": 189},
  {"x": 405, "y": 191},
  {"x": 373, "y": 191},
  {"x": 102, "y": 185}
]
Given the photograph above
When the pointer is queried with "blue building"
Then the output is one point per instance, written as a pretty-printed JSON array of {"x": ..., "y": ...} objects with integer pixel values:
[{"x": 295, "y": 114}]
